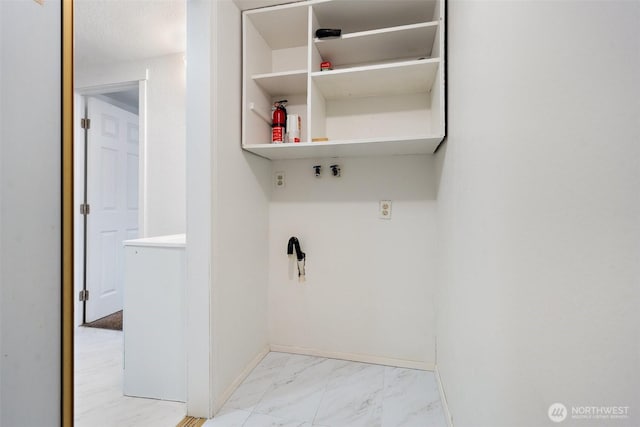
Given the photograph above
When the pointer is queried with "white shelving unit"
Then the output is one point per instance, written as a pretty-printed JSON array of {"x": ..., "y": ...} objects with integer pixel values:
[{"x": 385, "y": 95}]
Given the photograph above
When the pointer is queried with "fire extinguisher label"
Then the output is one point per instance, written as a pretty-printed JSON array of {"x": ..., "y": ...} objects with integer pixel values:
[{"x": 277, "y": 134}]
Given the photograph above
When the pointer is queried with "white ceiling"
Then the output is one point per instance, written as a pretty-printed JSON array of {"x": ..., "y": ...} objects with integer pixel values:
[
  {"x": 108, "y": 31},
  {"x": 128, "y": 97}
]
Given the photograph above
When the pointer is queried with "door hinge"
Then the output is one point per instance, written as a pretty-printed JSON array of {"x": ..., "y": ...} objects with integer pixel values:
[
  {"x": 85, "y": 123},
  {"x": 85, "y": 209},
  {"x": 84, "y": 295}
]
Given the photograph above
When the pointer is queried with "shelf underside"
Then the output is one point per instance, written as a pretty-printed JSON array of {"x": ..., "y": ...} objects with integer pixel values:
[
  {"x": 351, "y": 148},
  {"x": 353, "y": 15}
]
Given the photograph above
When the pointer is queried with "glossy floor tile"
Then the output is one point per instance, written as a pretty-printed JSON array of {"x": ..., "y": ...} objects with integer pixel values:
[
  {"x": 287, "y": 390},
  {"x": 99, "y": 401}
]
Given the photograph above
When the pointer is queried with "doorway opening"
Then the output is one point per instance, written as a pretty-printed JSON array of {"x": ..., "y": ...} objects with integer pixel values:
[
  {"x": 109, "y": 151},
  {"x": 128, "y": 89}
]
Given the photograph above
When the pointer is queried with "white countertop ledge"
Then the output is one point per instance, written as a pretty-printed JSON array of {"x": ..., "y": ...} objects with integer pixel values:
[{"x": 170, "y": 241}]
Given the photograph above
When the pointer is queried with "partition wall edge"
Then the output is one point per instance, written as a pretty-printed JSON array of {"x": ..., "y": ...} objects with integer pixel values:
[
  {"x": 198, "y": 212},
  {"x": 240, "y": 190}
]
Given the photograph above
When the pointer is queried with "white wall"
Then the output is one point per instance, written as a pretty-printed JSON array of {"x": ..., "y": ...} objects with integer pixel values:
[
  {"x": 240, "y": 217},
  {"x": 368, "y": 293},
  {"x": 227, "y": 214},
  {"x": 540, "y": 211},
  {"x": 165, "y": 153},
  {"x": 30, "y": 215}
]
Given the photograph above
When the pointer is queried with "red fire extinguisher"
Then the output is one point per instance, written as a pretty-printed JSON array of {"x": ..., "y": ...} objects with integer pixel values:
[{"x": 279, "y": 125}]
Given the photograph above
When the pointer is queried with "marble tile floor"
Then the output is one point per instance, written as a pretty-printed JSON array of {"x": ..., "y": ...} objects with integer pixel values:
[
  {"x": 99, "y": 401},
  {"x": 284, "y": 390},
  {"x": 287, "y": 390}
]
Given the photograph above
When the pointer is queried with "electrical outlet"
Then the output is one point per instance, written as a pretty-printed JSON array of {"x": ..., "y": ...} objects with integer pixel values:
[
  {"x": 278, "y": 179},
  {"x": 385, "y": 209}
]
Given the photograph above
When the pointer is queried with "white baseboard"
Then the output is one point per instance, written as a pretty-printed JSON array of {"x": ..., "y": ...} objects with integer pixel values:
[
  {"x": 236, "y": 383},
  {"x": 443, "y": 399},
  {"x": 365, "y": 358}
]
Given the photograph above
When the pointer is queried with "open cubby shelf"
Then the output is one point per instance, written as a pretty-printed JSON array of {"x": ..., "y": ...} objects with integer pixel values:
[
  {"x": 290, "y": 82},
  {"x": 378, "y": 80},
  {"x": 384, "y": 95}
]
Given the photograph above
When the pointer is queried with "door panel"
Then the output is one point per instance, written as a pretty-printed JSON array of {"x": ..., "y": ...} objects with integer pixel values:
[
  {"x": 108, "y": 263},
  {"x": 108, "y": 178},
  {"x": 112, "y": 193},
  {"x": 132, "y": 182},
  {"x": 132, "y": 233}
]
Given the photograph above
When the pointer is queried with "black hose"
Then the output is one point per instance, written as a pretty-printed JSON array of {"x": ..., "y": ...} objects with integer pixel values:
[{"x": 294, "y": 243}]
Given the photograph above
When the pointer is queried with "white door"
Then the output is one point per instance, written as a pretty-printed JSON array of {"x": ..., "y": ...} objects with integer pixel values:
[{"x": 112, "y": 195}]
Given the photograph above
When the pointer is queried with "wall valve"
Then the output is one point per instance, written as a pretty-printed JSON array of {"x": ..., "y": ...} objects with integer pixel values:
[
  {"x": 335, "y": 170},
  {"x": 317, "y": 169}
]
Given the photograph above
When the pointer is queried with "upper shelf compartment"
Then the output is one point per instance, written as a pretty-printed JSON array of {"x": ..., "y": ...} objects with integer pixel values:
[
  {"x": 405, "y": 41},
  {"x": 378, "y": 80},
  {"x": 281, "y": 27},
  {"x": 354, "y": 16},
  {"x": 276, "y": 39}
]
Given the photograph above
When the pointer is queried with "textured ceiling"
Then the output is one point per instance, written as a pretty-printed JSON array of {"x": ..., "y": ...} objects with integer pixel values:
[{"x": 109, "y": 31}]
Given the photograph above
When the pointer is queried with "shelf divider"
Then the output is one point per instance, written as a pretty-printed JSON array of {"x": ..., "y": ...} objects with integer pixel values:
[
  {"x": 378, "y": 80},
  {"x": 283, "y": 83},
  {"x": 424, "y": 144}
]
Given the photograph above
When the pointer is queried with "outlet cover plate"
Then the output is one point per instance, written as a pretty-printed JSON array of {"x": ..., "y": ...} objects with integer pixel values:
[{"x": 384, "y": 212}]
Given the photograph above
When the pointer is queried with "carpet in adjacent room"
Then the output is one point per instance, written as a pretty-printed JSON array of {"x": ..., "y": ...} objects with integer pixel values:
[{"x": 112, "y": 321}]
